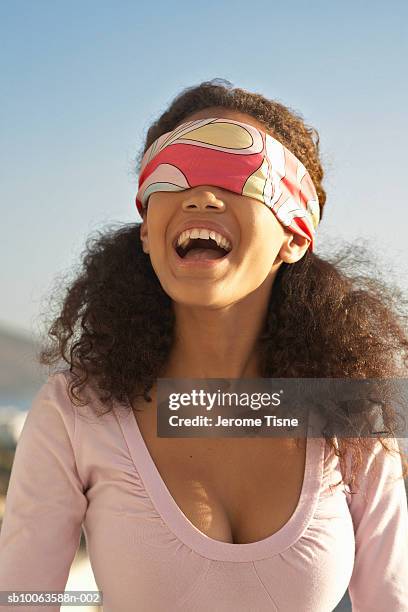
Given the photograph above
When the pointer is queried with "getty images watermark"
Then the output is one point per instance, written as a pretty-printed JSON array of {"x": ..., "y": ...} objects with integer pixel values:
[
  {"x": 281, "y": 407},
  {"x": 198, "y": 398}
]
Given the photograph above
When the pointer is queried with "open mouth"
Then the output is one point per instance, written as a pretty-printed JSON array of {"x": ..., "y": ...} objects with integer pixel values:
[{"x": 201, "y": 248}]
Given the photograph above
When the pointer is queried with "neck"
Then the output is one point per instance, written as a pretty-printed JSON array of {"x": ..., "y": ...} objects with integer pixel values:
[{"x": 218, "y": 343}]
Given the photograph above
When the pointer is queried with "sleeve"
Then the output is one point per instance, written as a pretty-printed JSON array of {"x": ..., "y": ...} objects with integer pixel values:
[
  {"x": 379, "y": 581},
  {"x": 45, "y": 502}
]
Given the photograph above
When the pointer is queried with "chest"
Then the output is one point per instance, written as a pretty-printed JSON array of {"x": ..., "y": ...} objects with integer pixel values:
[{"x": 236, "y": 490}]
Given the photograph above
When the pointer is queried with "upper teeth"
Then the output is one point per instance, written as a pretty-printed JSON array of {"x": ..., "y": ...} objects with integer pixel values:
[{"x": 185, "y": 236}]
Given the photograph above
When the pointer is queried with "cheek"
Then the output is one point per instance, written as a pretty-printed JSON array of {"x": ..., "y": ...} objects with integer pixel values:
[
  {"x": 158, "y": 216},
  {"x": 268, "y": 248},
  {"x": 159, "y": 257},
  {"x": 262, "y": 232},
  {"x": 263, "y": 245}
]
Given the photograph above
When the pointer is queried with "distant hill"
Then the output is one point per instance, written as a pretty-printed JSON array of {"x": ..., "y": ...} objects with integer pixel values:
[{"x": 19, "y": 369}]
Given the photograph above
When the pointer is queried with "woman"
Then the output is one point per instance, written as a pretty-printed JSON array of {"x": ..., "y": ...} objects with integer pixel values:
[{"x": 223, "y": 523}]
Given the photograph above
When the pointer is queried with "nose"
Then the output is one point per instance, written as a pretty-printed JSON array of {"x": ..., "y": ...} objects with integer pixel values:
[{"x": 203, "y": 199}]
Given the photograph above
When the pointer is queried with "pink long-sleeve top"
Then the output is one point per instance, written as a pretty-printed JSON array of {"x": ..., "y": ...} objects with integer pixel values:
[{"x": 72, "y": 469}]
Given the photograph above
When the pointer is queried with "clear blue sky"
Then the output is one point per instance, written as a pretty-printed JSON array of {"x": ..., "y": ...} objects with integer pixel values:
[{"x": 81, "y": 81}]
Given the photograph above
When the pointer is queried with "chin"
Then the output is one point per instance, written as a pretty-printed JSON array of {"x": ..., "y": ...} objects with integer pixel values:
[{"x": 202, "y": 297}]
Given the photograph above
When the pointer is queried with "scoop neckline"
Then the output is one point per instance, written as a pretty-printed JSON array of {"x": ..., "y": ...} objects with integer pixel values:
[{"x": 175, "y": 519}]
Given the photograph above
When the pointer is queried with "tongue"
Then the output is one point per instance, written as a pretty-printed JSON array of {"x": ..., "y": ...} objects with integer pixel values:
[{"x": 199, "y": 253}]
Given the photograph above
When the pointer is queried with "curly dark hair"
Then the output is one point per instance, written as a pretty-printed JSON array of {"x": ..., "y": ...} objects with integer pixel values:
[{"x": 114, "y": 325}]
